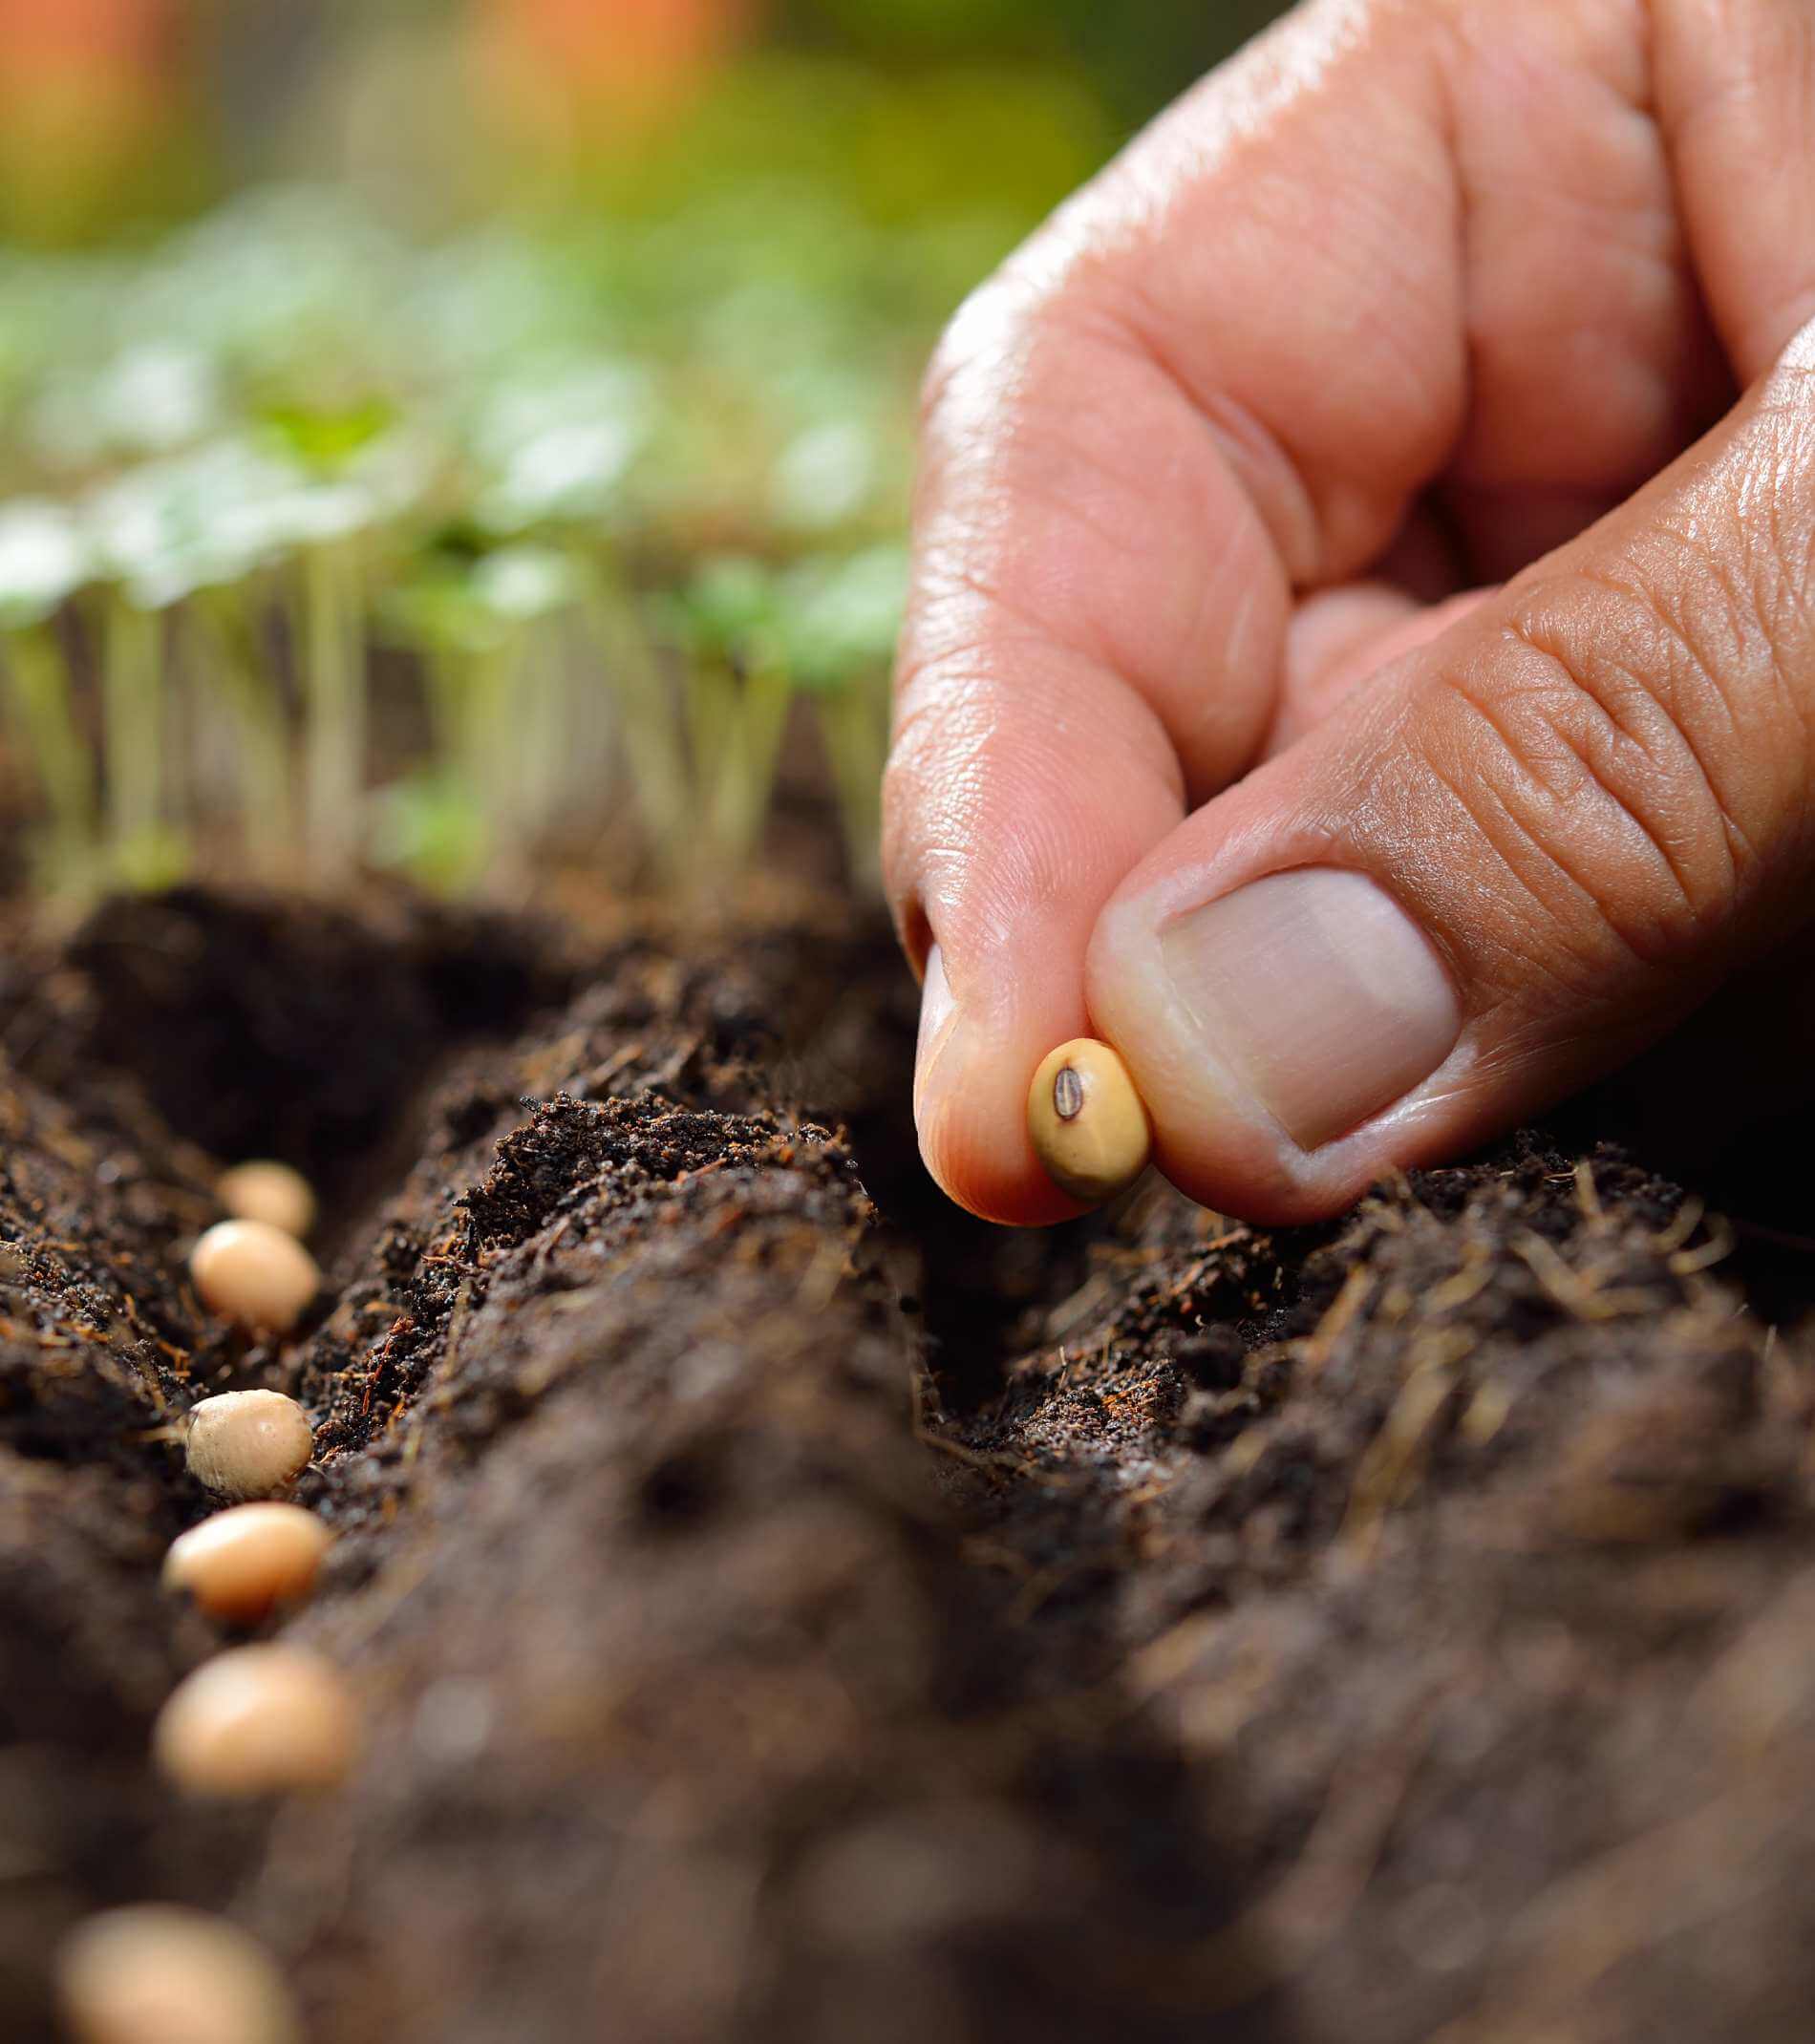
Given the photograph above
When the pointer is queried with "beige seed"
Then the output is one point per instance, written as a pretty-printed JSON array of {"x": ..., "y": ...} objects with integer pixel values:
[
  {"x": 257, "y": 1721},
  {"x": 247, "y": 1443},
  {"x": 254, "y": 1274},
  {"x": 243, "y": 1563},
  {"x": 158, "y": 1974},
  {"x": 267, "y": 1191},
  {"x": 1087, "y": 1124}
]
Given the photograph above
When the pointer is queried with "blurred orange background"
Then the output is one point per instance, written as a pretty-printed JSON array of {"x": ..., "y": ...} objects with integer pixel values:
[{"x": 123, "y": 114}]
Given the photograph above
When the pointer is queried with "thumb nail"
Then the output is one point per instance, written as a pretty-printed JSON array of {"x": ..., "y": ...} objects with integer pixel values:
[
  {"x": 936, "y": 1012},
  {"x": 1317, "y": 991}
]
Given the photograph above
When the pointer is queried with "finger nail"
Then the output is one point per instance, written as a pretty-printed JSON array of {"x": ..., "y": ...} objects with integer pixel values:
[
  {"x": 1317, "y": 991},
  {"x": 936, "y": 1013}
]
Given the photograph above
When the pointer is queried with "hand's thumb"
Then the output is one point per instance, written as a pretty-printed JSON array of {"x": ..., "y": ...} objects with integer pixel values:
[{"x": 1513, "y": 859}]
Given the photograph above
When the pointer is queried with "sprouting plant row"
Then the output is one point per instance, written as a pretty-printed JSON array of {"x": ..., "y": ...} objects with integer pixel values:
[
  {"x": 322, "y": 549},
  {"x": 456, "y": 714}
]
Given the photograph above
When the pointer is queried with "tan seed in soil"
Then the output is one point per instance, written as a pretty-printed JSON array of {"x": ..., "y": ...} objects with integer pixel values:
[
  {"x": 1088, "y": 1125},
  {"x": 254, "y": 1274},
  {"x": 247, "y": 1443},
  {"x": 257, "y": 1721},
  {"x": 157, "y": 1974},
  {"x": 267, "y": 1191},
  {"x": 242, "y": 1564}
]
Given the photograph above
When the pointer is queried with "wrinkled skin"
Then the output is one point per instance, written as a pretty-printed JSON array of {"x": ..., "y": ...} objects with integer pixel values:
[{"x": 1402, "y": 461}]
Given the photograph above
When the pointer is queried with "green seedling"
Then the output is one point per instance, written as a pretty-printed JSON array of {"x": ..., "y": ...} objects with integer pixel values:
[
  {"x": 553, "y": 443},
  {"x": 840, "y": 621},
  {"x": 480, "y": 627},
  {"x": 345, "y": 471},
  {"x": 190, "y": 533},
  {"x": 735, "y": 691},
  {"x": 150, "y": 537},
  {"x": 43, "y": 561},
  {"x": 42, "y": 702},
  {"x": 329, "y": 641},
  {"x": 185, "y": 537},
  {"x": 142, "y": 850},
  {"x": 323, "y": 440},
  {"x": 426, "y": 826},
  {"x": 434, "y": 822},
  {"x": 222, "y": 627},
  {"x": 596, "y": 405},
  {"x": 532, "y": 592},
  {"x": 616, "y": 639}
]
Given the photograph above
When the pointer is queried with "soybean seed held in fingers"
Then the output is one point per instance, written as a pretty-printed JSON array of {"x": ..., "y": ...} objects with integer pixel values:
[{"x": 1088, "y": 1124}]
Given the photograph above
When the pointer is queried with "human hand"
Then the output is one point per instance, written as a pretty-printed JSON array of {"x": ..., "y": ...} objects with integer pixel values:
[{"x": 1358, "y": 663}]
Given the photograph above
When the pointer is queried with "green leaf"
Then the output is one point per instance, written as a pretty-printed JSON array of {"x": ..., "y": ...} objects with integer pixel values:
[
  {"x": 429, "y": 826},
  {"x": 840, "y": 618},
  {"x": 325, "y": 439},
  {"x": 729, "y": 609},
  {"x": 441, "y": 611}
]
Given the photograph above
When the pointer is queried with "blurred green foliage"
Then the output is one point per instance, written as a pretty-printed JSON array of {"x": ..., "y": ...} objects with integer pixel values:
[
  {"x": 327, "y": 540},
  {"x": 350, "y": 547},
  {"x": 1133, "y": 57}
]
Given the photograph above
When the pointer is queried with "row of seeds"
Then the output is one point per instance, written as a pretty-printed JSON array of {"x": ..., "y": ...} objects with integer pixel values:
[{"x": 255, "y": 1720}]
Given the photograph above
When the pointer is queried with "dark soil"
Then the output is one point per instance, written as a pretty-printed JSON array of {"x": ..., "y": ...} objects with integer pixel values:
[{"x": 784, "y": 1610}]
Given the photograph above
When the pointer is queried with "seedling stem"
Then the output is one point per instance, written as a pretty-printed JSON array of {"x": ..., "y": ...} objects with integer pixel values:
[
  {"x": 42, "y": 703},
  {"x": 140, "y": 850},
  {"x": 333, "y": 692},
  {"x": 231, "y": 659}
]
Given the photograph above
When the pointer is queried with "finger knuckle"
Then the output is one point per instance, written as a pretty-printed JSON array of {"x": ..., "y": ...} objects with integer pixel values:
[
  {"x": 1598, "y": 750},
  {"x": 994, "y": 326}
]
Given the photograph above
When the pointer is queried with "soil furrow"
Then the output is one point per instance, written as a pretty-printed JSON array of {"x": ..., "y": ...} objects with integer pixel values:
[{"x": 784, "y": 1609}]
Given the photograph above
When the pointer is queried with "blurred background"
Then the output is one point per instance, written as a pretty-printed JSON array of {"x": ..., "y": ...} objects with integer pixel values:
[
  {"x": 375, "y": 376},
  {"x": 125, "y": 114}
]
